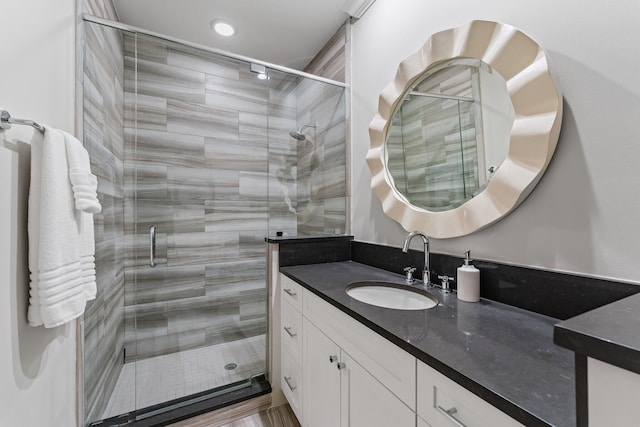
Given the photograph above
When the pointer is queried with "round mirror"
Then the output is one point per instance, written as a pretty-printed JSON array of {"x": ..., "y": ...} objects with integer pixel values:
[
  {"x": 450, "y": 134},
  {"x": 465, "y": 130}
]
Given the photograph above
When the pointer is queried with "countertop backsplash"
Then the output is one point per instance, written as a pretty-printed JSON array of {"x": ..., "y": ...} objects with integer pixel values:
[{"x": 558, "y": 295}]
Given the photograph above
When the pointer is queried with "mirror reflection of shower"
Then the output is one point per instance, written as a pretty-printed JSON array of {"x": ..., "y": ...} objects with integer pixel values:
[{"x": 298, "y": 135}]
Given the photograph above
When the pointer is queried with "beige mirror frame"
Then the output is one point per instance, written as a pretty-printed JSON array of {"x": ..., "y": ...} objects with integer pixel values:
[{"x": 537, "y": 103}]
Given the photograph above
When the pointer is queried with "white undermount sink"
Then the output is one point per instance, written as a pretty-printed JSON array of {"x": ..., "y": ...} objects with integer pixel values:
[{"x": 391, "y": 295}]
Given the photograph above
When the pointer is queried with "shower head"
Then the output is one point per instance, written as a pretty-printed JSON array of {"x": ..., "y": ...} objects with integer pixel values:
[{"x": 297, "y": 134}]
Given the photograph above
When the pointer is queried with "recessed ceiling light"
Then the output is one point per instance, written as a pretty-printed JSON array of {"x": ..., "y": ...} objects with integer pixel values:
[
  {"x": 223, "y": 28},
  {"x": 262, "y": 76}
]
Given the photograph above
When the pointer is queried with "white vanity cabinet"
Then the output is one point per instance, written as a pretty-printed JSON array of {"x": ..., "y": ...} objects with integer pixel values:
[
  {"x": 339, "y": 373},
  {"x": 338, "y": 391},
  {"x": 351, "y": 376}
]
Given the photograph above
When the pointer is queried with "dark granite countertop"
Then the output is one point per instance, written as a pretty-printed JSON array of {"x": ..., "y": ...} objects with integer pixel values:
[
  {"x": 503, "y": 354},
  {"x": 609, "y": 333}
]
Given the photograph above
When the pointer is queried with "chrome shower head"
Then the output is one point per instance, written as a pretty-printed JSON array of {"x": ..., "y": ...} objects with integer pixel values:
[{"x": 297, "y": 134}]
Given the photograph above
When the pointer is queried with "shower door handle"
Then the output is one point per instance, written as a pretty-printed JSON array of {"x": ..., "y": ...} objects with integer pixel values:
[{"x": 152, "y": 245}]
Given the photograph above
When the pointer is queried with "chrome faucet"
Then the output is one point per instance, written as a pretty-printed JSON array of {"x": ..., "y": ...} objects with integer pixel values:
[{"x": 426, "y": 274}]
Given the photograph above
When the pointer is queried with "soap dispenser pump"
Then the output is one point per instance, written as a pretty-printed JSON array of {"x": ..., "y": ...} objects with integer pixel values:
[{"x": 468, "y": 281}]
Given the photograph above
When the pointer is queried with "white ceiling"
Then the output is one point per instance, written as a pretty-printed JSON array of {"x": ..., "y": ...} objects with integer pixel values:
[{"x": 282, "y": 32}]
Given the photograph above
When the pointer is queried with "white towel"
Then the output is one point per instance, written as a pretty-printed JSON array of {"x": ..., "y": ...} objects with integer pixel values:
[
  {"x": 83, "y": 183},
  {"x": 87, "y": 257},
  {"x": 61, "y": 246}
]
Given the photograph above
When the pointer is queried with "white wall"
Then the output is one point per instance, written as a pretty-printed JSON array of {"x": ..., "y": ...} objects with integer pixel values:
[
  {"x": 37, "y": 365},
  {"x": 584, "y": 215}
]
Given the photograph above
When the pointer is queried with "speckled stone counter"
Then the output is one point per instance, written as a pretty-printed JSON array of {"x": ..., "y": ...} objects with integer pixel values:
[
  {"x": 503, "y": 354},
  {"x": 609, "y": 333}
]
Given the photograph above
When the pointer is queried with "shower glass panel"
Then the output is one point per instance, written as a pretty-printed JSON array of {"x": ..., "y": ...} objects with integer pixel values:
[
  {"x": 198, "y": 160},
  {"x": 196, "y": 166},
  {"x": 307, "y": 164},
  {"x": 103, "y": 136}
]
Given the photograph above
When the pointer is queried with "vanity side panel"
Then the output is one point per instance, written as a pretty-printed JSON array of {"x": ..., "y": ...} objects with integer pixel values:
[
  {"x": 613, "y": 395},
  {"x": 275, "y": 325}
]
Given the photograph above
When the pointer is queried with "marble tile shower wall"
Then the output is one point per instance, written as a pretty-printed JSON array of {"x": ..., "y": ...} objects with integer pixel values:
[
  {"x": 103, "y": 74},
  {"x": 208, "y": 160},
  {"x": 282, "y": 174},
  {"x": 330, "y": 62},
  {"x": 321, "y": 160},
  {"x": 100, "y": 8}
]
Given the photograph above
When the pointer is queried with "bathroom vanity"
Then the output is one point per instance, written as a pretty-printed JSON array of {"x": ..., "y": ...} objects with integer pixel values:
[
  {"x": 347, "y": 363},
  {"x": 342, "y": 362}
]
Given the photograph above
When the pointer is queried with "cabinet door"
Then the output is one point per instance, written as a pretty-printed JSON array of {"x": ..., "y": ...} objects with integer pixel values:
[
  {"x": 321, "y": 378},
  {"x": 367, "y": 403}
]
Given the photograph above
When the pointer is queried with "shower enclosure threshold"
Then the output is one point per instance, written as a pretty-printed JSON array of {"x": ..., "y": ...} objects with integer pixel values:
[{"x": 191, "y": 406}]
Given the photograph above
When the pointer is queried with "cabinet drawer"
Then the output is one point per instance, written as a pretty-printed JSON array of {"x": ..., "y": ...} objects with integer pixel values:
[
  {"x": 291, "y": 292},
  {"x": 291, "y": 383},
  {"x": 292, "y": 331},
  {"x": 438, "y": 395},
  {"x": 388, "y": 363}
]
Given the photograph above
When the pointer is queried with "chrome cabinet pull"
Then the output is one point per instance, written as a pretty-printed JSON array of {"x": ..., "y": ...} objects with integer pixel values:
[
  {"x": 341, "y": 365},
  {"x": 290, "y": 292},
  {"x": 449, "y": 414},
  {"x": 288, "y": 381},
  {"x": 152, "y": 245},
  {"x": 288, "y": 329},
  {"x": 333, "y": 359}
]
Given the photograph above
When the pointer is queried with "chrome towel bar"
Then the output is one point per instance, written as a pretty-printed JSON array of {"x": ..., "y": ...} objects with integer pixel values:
[{"x": 6, "y": 121}]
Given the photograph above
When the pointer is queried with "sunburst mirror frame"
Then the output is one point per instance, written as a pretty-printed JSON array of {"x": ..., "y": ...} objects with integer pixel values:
[{"x": 537, "y": 104}]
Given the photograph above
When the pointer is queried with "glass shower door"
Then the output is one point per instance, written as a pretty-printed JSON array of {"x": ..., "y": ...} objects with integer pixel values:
[{"x": 196, "y": 158}]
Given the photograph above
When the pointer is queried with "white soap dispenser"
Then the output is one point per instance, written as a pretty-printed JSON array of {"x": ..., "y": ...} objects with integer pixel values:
[{"x": 468, "y": 281}]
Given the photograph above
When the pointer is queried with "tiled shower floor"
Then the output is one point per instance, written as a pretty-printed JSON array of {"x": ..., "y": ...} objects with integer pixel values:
[{"x": 162, "y": 378}]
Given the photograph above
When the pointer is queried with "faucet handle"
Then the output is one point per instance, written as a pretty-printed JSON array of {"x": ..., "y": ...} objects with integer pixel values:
[
  {"x": 409, "y": 271},
  {"x": 445, "y": 282}
]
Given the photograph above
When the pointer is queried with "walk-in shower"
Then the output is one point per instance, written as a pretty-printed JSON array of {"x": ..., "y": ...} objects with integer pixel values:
[{"x": 196, "y": 167}]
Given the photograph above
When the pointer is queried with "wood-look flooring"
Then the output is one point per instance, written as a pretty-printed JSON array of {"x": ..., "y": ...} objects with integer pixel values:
[{"x": 253, "y": 413}]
